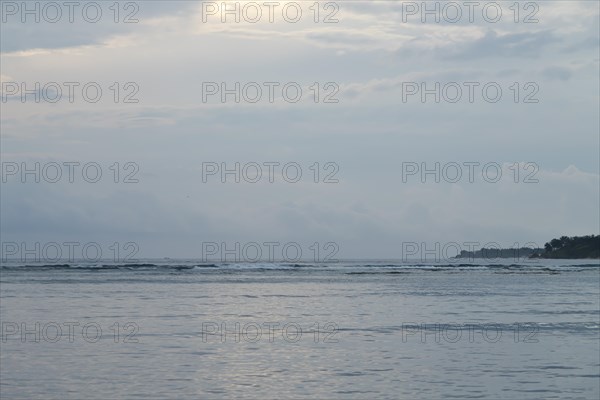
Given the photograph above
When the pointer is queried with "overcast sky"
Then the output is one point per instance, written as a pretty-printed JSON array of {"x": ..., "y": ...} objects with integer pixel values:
[{"x": 370, "y": 62}]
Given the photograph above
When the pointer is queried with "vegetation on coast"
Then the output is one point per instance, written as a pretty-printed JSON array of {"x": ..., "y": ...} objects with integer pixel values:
[
  {"x": 572, "y": 247},
  {"x": 566, "y": 247}
]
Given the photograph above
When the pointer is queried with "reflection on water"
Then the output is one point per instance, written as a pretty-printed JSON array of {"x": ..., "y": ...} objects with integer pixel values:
[{"x": 184, "y": 329}]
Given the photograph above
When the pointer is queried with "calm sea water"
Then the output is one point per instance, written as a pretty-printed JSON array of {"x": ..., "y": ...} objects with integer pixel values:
[{"x": 186, "y": 330}]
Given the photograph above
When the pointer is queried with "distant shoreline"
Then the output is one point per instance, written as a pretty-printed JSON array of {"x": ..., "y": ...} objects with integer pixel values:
[
  {"x": 465, "y": 257},
  {"x": 565, "y": 248}
]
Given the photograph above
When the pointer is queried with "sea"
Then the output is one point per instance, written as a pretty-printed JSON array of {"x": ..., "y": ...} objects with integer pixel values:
[{"x": 358, "y": 329}]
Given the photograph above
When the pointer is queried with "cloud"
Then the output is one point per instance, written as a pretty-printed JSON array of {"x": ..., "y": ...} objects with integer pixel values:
[
  {"x": 560, "y": 73},
  {"x": 80, "y": 25},
  {"x": 494, "y": 44},
  {"x": 369, "y": 133}
]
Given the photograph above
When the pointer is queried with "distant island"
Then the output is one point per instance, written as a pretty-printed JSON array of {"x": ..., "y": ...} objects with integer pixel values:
[
  {"x": 491, "y": 253},
  {"x": 574, "y": 247},
  {"x": 571, "y": 247}
]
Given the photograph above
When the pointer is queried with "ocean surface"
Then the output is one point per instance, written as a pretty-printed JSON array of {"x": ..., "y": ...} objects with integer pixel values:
[{"x": 182, "y": 329}]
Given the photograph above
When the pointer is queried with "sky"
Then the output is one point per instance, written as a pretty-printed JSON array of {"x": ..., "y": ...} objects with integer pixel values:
[{"x": 471, "y": 123}]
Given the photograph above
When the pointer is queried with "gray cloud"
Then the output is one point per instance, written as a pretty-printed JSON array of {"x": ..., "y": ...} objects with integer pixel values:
[
  {"x": 369, "y": 133},
  {"x": 495, "y": 45}
]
